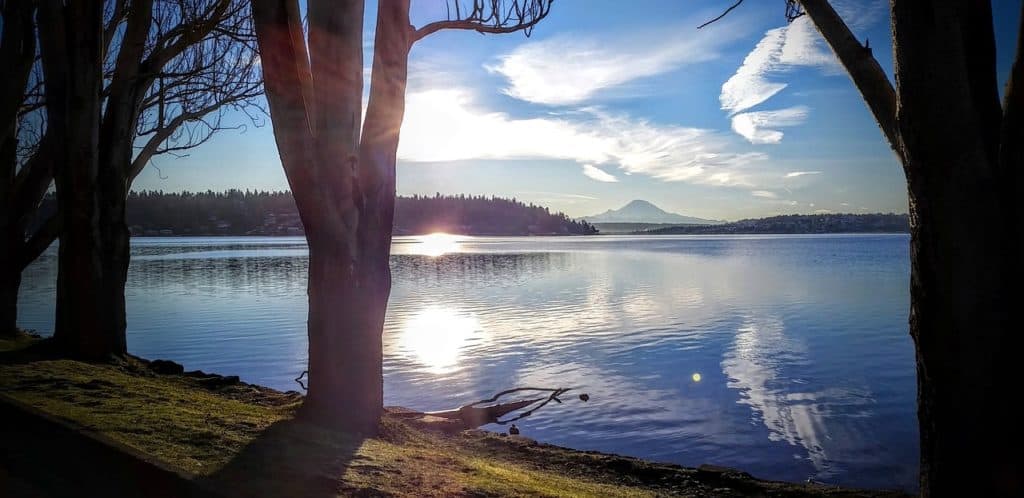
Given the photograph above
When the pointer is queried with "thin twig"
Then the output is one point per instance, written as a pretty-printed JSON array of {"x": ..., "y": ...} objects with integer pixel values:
[{"x": 723, "y": 14}]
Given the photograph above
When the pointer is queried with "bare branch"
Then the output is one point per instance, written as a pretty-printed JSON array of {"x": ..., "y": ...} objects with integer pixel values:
[
  {"x": 723, "y": 14},
  {"x": 862, "y": 66},
  {"x": 201, "y": 59},
  {"x": 492, "y": 16},
  {"x": 793, "y": 11}
]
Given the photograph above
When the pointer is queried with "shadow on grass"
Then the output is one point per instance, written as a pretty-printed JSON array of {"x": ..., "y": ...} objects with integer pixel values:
[{"x": 290, "y": 458}]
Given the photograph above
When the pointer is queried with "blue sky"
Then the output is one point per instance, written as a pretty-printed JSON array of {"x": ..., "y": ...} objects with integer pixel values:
[{"x": 603, "y": 104}]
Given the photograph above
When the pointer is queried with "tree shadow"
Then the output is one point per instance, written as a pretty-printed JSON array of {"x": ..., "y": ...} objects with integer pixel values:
[{"x": 292, "y": 457}]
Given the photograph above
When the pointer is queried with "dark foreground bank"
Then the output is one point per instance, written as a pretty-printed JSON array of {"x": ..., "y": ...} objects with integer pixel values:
[{"x": 148, "y": 428}]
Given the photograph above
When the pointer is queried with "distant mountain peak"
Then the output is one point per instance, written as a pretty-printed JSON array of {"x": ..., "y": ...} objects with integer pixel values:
[{"x": 641, "y": 211}]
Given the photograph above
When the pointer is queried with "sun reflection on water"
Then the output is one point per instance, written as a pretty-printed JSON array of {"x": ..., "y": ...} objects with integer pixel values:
[
  {"x": 435, "y": 338},
  {"x": 436, "y": 244}
]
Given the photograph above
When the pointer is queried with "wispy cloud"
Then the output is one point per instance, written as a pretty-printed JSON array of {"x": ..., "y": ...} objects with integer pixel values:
[
  {"x": 758, "y": 127},
  {"x": 598, "y": 174},
  {"x": 765, "y": 194},
  {"x": 781, "y": 49},
  {"x": 570, "y": 69},
  {"x": 750, "y": 86},
  {"x": 797, "y": 44},
  {"x": 445, "y": 125},
  {"x": 560, "y": 195},
  {"x": 795, "y": 174}
]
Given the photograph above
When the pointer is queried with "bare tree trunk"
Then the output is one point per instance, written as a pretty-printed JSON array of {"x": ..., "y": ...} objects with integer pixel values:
[
  {"x": 346, "y": 387},
  {"x": 959, "y": 320},
  {"x": 17, "y": 53},
  {"x": 362, "y": 300},
  {"x": 10, "y": 275},
  {"x": 964, "y": 253},
  {"x": 378, "y": 151},
  {"x": 10, "y": 280},
  {"x": 344, "y": 186},
  {"x": 316, "y": 107},
  {"x": 72, "y": 60}
]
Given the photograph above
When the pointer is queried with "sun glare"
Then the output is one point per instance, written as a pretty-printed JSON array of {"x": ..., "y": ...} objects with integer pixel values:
[
  {"x": 435, "y": 338},
  {"x": 436, "y": 244}
]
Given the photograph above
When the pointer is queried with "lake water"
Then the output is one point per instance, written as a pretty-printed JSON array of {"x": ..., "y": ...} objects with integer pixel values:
[{"x": 785, "y": 356}]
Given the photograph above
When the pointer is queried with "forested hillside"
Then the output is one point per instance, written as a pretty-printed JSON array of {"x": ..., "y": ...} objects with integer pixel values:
[{"x": 237, "y": 212}]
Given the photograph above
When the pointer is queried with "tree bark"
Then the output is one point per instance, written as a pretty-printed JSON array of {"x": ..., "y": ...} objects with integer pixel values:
[
  {"x": 10, "y": 244},
  {"x": 963, "y": 249},
  {"x": 71, "y": 37},
  {"x": 116, "y": 144},
  {"x": 346, "y": 387},
  {"x": 17, "y": 53}
]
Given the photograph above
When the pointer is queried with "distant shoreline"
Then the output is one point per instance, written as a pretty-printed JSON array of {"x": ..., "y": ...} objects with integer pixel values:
[{"x": 639, "y": 234}]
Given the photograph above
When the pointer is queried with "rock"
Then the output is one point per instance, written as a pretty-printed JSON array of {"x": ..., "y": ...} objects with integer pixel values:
[
  {"x": 218, "y": 381},
  {"x": 721, "y": 472},
  {"x": 166, "y": 367}
]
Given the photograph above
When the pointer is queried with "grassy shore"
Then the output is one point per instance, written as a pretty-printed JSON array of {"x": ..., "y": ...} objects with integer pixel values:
[{"x": 243, "y": 440}]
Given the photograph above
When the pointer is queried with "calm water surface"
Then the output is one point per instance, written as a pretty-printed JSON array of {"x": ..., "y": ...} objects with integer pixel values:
[{"x": 785, "y": 356}]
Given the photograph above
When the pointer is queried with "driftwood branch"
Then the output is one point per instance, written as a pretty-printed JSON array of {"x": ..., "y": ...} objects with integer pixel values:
[
  {"x": 472, "y": 415},
  {"x": 475, "y": 416}
]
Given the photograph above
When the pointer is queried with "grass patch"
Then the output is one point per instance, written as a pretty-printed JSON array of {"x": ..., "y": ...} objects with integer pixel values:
[
  {"x": 19, "y": 340},
  {"x": 502, "y": 479},
  {"x": 194, "y": 429}
]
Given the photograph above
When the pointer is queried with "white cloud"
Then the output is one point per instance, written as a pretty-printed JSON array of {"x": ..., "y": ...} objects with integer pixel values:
[
  {"x": 757, "y": 127},
  {"x": 797, "y": 44},
  {"x": 444, "y": 125},
  {"x": 569, "y": 69},
  {"x": 804, "y": 46},
  {"x": 749, "y": 86},
  {"x": 766, "y": 194},
  {"x": 781, "y": 49},
  {"x": 598, "y": 174},
  {"x": 794, "y": 174}
]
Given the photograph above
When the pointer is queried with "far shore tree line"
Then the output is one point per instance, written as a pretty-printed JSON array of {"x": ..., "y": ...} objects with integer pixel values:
[
  {"x": 87, "y": 81},
  {"x": 247, "y": 212}
]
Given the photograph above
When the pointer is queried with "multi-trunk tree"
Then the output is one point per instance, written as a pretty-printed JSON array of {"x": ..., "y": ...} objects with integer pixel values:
[
  {"x": 164, "y": 75},
  {"x": 343, "y": 177},
  {"x": 962, "y": 152}
]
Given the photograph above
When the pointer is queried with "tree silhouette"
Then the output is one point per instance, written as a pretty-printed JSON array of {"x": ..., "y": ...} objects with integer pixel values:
[
  {"x": 343, "y": 180},
  {"x": 161, "y": 73}
]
